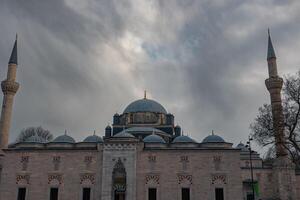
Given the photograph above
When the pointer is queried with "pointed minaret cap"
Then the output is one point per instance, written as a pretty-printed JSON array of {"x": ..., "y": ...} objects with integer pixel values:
[
  {"x": 14, "y": 54},
  {"x": 271, "y": 52}
]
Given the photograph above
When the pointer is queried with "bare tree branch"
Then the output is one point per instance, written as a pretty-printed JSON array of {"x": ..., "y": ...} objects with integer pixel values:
[
  {"x": 262, "y": 127},
  {"x": 39, "y": 132}
]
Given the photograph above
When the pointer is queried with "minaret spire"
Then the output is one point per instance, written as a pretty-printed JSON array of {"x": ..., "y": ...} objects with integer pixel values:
[
  {"x": 14, "y": 54},
  {"x": 271, "y": 58},
  {"x": 271, "y": 52},
  {"x": 9, "y": 88}
]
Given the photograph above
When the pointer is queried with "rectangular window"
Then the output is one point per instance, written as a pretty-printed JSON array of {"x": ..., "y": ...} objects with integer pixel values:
[
  {"x": 250, "y": 197},
  {"x": 152, "y": 194},
  {"x": 54, "y": 194},
  {"x": 86, "y": 194},
  {"x": 185, "y": 193},
  {"x": 21, "y": 193},
  {"x": 219, "y": 194}
]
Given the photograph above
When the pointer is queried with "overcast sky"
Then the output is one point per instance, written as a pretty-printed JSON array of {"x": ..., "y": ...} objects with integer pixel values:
[{"x": 204, "y": 61}]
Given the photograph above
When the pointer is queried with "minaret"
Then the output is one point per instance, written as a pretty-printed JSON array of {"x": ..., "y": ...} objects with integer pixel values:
[
  {"x": 9, "y": 88},
  {"x": 274, "y": 85},
  {"x": 283, "y": 168}
]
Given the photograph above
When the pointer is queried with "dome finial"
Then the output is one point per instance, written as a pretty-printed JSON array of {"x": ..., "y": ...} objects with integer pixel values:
[
  {"x": 65, "y": 131},
  {"x": 145, "y": 94},
  {"x": 94, "y": 132},
  {"x": 212, "y": 132}
]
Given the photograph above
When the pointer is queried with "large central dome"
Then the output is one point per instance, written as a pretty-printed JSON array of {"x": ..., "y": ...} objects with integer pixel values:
[{"x": 145, "y": 105}]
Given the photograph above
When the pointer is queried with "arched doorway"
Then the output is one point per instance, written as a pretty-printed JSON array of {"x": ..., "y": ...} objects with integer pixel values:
[{"x": 119, "y": 181}]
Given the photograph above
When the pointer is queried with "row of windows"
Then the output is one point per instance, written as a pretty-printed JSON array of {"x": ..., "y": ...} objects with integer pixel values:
[
  {"x": 86, "y": 194},
  {"x": 185, "y": 194},
  {"x": 152, "y": 194}
]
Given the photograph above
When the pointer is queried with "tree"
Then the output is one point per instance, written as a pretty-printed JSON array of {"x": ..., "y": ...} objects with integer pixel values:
[
  {"x": 26, "y": 133},
  {"x": 262, "y": 129}
]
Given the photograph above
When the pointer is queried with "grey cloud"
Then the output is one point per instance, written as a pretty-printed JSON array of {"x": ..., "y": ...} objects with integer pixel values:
[{"x": 82, "y": 61}]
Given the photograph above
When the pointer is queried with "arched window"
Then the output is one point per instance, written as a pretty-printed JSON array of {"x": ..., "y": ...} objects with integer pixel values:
[{"x": 119, "y": 181}]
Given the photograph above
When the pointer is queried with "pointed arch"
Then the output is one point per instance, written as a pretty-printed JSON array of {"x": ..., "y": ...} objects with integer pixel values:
[{"x": 119, "y": 180}]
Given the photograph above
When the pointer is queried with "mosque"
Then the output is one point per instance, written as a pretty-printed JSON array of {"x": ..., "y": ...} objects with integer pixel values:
[{"x": 142, "y": 156}]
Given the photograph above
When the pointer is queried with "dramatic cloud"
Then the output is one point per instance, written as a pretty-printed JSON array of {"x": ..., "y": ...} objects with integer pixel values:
[{"x": 205, "y": 61}]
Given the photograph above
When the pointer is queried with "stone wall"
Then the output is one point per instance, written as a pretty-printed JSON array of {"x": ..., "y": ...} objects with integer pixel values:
[
  {"x": 38, "y": 171},
  {"x": 164, "y": 168},
  {"x": 113, "y": 153},
  {"x": 202, "y": 171},
  {"x": 264, "y": 177}
]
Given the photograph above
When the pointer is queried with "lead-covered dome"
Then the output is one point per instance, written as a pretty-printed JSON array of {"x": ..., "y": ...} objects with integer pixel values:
[
  {"x": 145, "y": 105},
  {"x": 183, "y": 139},
  {"x": 154, "y": 139},
  {"x": 93, "y": 138},
  {"x": 35, "y": 139},
  {"x": 64, "y": 139},
  {"x": 213, "y": 139},
  {"x": 242, "y": 147}
]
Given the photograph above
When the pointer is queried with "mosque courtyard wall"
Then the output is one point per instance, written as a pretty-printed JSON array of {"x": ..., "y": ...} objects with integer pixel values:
[
  {"x": 39, "y": 170},
  {"x": 166, "y": 168},
  {"x": 200, "y": 170}
]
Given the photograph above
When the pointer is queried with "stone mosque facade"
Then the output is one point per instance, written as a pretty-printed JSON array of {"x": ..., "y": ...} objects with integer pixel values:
[{"x": 142, "y": 156}]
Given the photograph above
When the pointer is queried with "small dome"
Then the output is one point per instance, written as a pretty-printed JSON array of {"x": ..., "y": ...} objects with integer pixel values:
[
  {"x": 108, "y": 127},
  {"x": 145, "y": 105},
  {"x": 213, "y": 139},
  {"x": 183, "y": 139},
  {"x": 64, "y": 139},
  {"x": 242, "y": 147},
  {"x": 123, "y": 134},
  {"x": 35, "y": 139},
  {"x": 93, "y": 138},
  {"x": 154, "y": 139}
]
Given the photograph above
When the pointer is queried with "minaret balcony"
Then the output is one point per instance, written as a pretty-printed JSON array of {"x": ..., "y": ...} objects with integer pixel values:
[
  {"x": 274, "y": 83},
  {"x": 9, "y": 87}
]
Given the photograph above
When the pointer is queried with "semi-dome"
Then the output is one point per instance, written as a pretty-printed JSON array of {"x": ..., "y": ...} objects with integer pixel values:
[
  {"x": 183, "y": 139},
  {"x": 64, "y": 139},
  {"x": 154, "y": 139},
  {"x": 35, "y": 139},
  {"x": 143, "y": 130},
  {"x": 123, "y": 134},
  {"x": 213, "y": 139},
  {"x": 93, "y": 138},
  {"x": 145, "y": 105}
]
